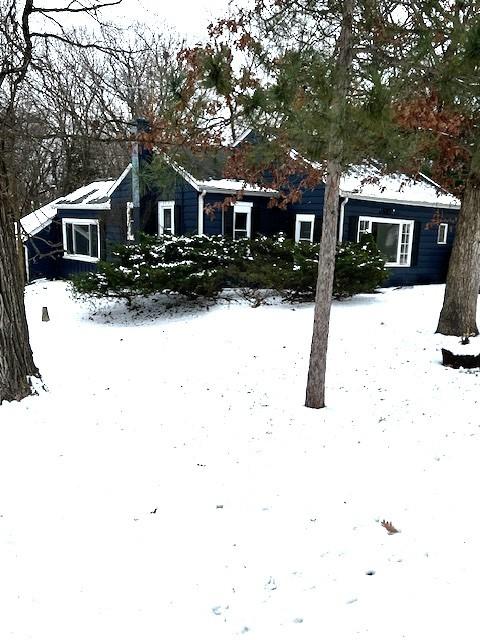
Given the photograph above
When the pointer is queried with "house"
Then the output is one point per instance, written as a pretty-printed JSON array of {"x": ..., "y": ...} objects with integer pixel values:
[{"x": 413, "y": 221}]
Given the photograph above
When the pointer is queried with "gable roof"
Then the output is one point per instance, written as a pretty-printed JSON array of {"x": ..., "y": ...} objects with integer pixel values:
[{"x": 219, "y": 184}]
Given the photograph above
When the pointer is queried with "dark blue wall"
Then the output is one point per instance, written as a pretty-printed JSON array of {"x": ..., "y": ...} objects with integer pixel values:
[
  {"x": 186, "y": 206},
  {"x": 265, "y": 221},
  {"x": 115, "y": 220},
  {"x": 44, "y": 251},
  {"x": 429, "y": 260}
]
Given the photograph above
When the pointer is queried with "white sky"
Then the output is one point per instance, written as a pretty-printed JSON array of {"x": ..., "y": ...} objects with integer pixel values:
[{"x": 189, "y": 18}]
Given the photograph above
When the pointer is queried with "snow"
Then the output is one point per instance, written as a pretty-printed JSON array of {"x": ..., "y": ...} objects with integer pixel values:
[
  {"x": 366, "y": 181},
  {"x": 37, "y": 220},
  {"x": 89, "y": 193},
  {"x": 227, "y": 185},
  {"x": 170, "y": 483}
]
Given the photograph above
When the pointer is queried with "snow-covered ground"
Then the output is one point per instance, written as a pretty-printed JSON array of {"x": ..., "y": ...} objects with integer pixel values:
[{"x": 171, "y": 484}]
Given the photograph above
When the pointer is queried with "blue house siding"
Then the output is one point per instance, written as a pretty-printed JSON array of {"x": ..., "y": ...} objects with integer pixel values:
[
  {"x": 187, "y": 198},
  {"x": 115, "y": 220},
  {"x": 311, "y": 203},
  {"x": 265, "y": 221},
  {"x": 429, "y": 260},
  {"x": 186, "y": 206},
  {"x": 44, "y": 251}
]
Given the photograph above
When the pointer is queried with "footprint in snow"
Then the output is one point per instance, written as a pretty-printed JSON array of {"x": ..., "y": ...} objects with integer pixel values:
[
  {"x": 219, "y": 609},
  {"x": 270, "y": 585}
]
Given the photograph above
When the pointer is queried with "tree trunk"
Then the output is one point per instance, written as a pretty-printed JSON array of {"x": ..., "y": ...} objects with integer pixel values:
[
  {"x": 16, "y": 359},
  {"x": 315, "y": 393},
  {"x": 459, "y": 312}
]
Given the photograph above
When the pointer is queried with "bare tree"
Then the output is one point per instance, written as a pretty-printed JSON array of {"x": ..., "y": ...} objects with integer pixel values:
[{"x": 18, "y": 41}]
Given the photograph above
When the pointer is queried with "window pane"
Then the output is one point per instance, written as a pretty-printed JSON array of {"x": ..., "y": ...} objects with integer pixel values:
[
  {"x": 94, "y": 240},
  {"x": 69, "y": 234},
  {"x": 405, "y": 243},
  {"x": 81, "y": 235},
  {"x": 240, "y": 234},
  {"x": 364, "y": 226},
  {"x": 387, "y": 237},
  {"x": 167, "y": 220},
  {"x": 305, "y": 231},
  {"x": 240, "y": 222},
  {"x": 442, "y": 233}
]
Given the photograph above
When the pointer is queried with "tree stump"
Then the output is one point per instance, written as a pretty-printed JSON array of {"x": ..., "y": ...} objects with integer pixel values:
[
  {"x": 45, "y": 316},
  {"x": 454, "y": 361}
]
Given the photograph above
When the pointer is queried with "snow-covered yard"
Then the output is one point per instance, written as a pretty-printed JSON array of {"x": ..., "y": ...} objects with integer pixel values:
[{"x": 171, "y": 485}]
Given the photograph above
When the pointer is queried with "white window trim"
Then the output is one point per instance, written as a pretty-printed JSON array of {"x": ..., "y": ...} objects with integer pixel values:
[
  {"x": 442, "y": 225},
  {"x": 78, "y": 256},
  {"x": 243, "y": 207},
  {"x": 130, "y": 234},
  {"x": 162, "y": 205},
  {"x": 304, "y": 217},
  {"x": 400, "y": 223}
]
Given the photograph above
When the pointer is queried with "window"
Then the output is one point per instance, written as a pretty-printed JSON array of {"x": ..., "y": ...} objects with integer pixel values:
[
  {"x": 304, "y": 224},
  {"x": 242, "y": 220},
  {"x": 166, "y": 218},
  {"x": 442, "y": 233},
  {"x": 81, "y": 239},
  {"x": 394, "y": 238}
]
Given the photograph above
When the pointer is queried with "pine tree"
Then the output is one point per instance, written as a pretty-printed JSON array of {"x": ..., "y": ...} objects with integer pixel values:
[{"x": 439, "y": 118}]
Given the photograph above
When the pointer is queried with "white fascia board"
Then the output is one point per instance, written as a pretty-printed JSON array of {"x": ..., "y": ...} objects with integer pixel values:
[
  {"x": 244, "y": 192},
  {"x": 103, "y": 206},
  {"x": 119, "y": 180},
  {"x": 37, "y": 229},
  {"x": 359, "y": 196},
  {"x": 183, "y": 172},
  {"x": 242, "y": 137}
]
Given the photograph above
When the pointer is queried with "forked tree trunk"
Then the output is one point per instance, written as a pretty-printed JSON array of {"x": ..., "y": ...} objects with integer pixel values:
[
  {"x": 459, "y": 312},
  {"x": 16, "y": 359},
  {"x": 315, "y": 394}
]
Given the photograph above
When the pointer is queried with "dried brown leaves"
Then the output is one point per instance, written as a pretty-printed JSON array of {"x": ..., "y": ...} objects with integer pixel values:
[{"x": 389, "y": 527}]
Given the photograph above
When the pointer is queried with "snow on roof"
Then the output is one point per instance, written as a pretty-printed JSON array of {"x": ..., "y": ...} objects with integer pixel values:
[
  {"x": 94, "y": 195},
  {"x": 366, "y": 182},
  {"x": 224, "y": 185},
  {"x": 37, "y": 220},
  {"x": 97, "y": 192},
  {"x": 227, "y": 186}
]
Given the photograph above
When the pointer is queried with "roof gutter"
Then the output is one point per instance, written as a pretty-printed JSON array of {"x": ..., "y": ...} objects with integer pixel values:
[
  {"x": 200, "y": 212},
  {"x": 342, "y": 218}
]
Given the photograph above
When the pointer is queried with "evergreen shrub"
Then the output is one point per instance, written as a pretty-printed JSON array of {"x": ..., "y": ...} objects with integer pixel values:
[{"x": 201, "y": 266}]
